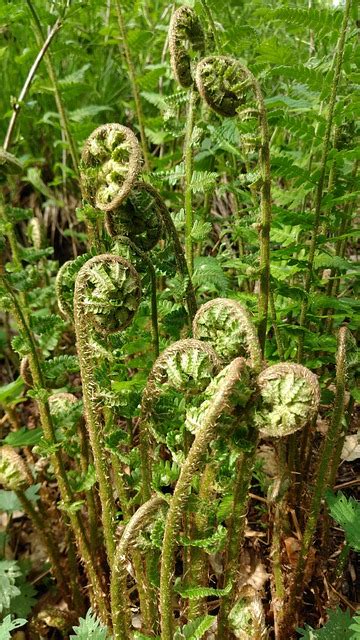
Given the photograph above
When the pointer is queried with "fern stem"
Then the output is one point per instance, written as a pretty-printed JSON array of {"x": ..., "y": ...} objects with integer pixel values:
[
  {"x": 134, "y": 84},
  {"x": 210, "y": 18},
  {"x": 56, "y": 457},
  {"x": 94, "y": 422},
  {"x": 58, "y": 98},
  {"x": 180, "y": 261},
  {"x": 205, "y": 434},
  {"x": 321, "y": 181},
  {"x": 319, "y": 487},
  {"x": 188, "y": 166},
  {"x": 118, "y": 588},
  {"x": 235, "y": 538}
]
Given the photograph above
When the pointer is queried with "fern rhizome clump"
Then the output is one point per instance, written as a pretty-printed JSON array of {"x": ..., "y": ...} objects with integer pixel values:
[{"x": 168, "y": 383}]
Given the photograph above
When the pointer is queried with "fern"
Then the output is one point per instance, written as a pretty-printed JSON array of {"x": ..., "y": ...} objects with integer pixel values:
[
  {"x": 338, "y": 626},
  {"x": 346, "y": 512},
  {"x": 195, "y": 629},
  {"x": 90, "y": 628}
]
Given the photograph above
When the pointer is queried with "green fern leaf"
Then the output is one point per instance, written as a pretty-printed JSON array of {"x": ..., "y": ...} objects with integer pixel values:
[
  {"x": 195, "y": 629},
  {"x": 338, "y": 626}
]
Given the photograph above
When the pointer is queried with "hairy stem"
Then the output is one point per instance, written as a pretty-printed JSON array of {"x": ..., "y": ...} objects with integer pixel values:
[
  {"x": 188, "y": 166},
  {"x": 118, "y": 588},
  {"x": 323, "y": 164},
  {"x": 134, "y": 84},
  {"x": 205, "y": 434},
  {"x": 320, "y": 486},
  {"x": 56, "y": 457},
  {"x": 235, "y": 539}
]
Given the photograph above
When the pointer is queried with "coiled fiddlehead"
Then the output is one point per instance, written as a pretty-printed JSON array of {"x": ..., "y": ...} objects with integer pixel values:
[
  {"x": 229, "y": 328},
  {"x": 139, "y": 217},
  {"x": 15, "y": 475},
  {"x": 107, "y": 293},
  {"x": 187, "y": 366},
  {"x": 119, "y": 603},
  {"x": 224, "y": 399},
  {"x": 186, "y": 40},
  {"x": 110, "y": 163},
  {"x": 222, "y": 81},
  {"x": 290, "y": 396}
]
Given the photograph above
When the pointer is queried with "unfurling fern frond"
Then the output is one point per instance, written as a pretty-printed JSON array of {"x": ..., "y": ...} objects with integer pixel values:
[
  {"x": 107, "y": 293},
  {"x": 111, "y": 161},
  {"x": 65, "y": 283},
  {"x": 228, "y": 327},
  {"x": 14, "y": 472},
  {"x": 290, "y": 396},
  {"x": 222, "y": 83},
  {"x": 139, "y": 217},
  {"x": 186, "y": 40},
  {"x": 186, "y": 366}
]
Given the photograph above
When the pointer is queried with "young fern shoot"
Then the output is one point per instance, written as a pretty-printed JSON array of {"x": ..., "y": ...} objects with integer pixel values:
[
  {"x": 107, "y": 293},
  {"x": 223, "y": 83}
]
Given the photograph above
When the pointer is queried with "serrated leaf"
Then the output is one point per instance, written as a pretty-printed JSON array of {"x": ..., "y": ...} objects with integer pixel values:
[
  {"x": 90, "y": 628},
  {"x": 195, "y": 629},
  {"x": 195, "y": 593},
  {"x": 338, "y": 626},
  {"x": 346, "y": 511}
]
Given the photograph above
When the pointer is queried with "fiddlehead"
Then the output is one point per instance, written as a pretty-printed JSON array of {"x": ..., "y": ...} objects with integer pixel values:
[
  {"x": 288, "y": 399},
  {"x": 290, "y": 396},
  {"x": 110, "y": 163},
  {"x": 186, "y": 41},
  {"x": 223, "y": 83},
  {"x": 229, "y": 328},
  {"x": 224, "y": 399},
  {"x": 119, "y": 603},
  {"x": 107, "y": 293},
  {"x": 187, "y": 366},
  {"x": 15, "y": 475},
  {"x": 139, "y": 217}
]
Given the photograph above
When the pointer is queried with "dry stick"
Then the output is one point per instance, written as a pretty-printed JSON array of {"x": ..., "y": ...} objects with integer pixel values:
[
  {"x": 118, "y": 588},
  {"x": 56, "y": 457},
  {"x": 58, "y": 99},
  {"x": 323, "y": 162},
  {"x": 28, "y": 81},
  {"x": 320, "y": 485},
  {"x": 205, "y": 434},
  {"x": 134, "y": 85}
]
